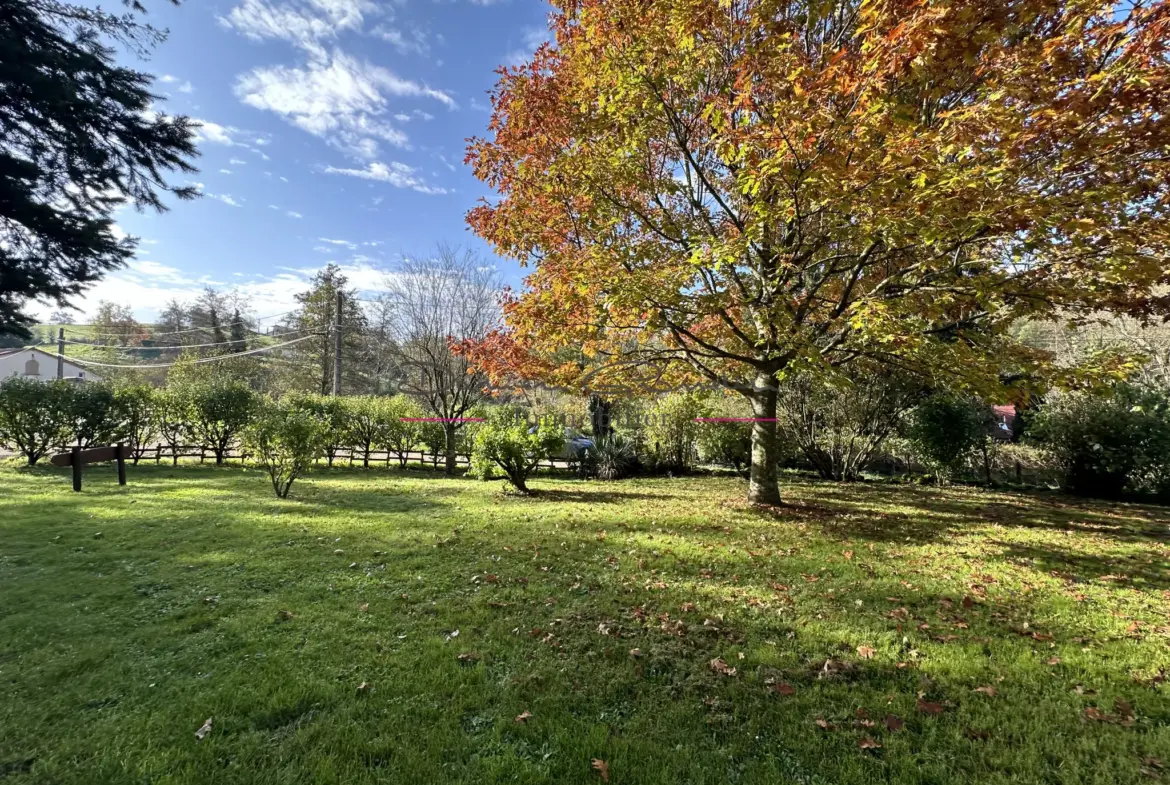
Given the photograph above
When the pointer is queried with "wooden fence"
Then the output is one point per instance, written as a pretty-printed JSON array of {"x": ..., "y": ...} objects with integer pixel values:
[{"x": 342, "y": 456}]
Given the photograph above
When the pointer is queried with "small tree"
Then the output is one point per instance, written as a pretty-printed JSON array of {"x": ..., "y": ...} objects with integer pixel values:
[
  {"x": 332, "y": 411},
  {"x": 285, "y": 440},
  {"x": 34, "y": 416},
  {"x": 217, "y": 412},
  {"x": 139, "y": 406},
  {"x": 947, "y": 430},
  {"x": 366, "y": 423},
  {"x": 507, "y": 442},
  {"x": 402, "y": 431},
  {"x": 97, "y": 415},
  {"x": 172, "y": 417}
]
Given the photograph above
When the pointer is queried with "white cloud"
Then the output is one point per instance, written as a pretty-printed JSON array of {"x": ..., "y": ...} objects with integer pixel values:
[
  {"x": 168, "y": 79},
  {"x": 146, "y": 286},
  {"x": 346, "y": 243},
  {"x": 225, "y": 198},
  {"x": 225, "y": 171},
  {"x": 294, "y": 214},
  {"x": 186, "y": 87},
  {"x": 397, "y": 174},
  {"x": 228, "y": 136},
  {"x": 238, "y": 162},
  {"x": 302, "y": 24},
  {"x": 343, "y": 100},
  {"x": 405, "y": 43}
]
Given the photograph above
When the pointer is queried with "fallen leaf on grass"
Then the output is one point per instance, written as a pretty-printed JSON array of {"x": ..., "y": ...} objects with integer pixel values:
[
  {"x": 468, "y": 658},
  {"x": 602, "y": 768},
  {"x": 635, "y": 654},
  {"x": 926, "y": 707},
  {"x": 824, "y": 724},
  {"x": 1054, "y": 660},
  {"x": 977, "y": 735},
  {"x": 867, "y": 743},
  {"x": 1093, "y": 713},
  {"x": 688, "y": 607},
  {"x": 866, "y": 652},
  {"x": 285, "y": 616},
  {"x": 203, "y": 730},
  {"x": 363, "y": 688},
  {"x": 365, "y": 606},
  {"x": 894, "y": 723},
  {"x": 988, "y": 691},
  {"x": 848, "y": 555},
  {"x": 784, "y": 689},
  {"x": 721, "y": 667},
  {"x": 523, "y": 716}
]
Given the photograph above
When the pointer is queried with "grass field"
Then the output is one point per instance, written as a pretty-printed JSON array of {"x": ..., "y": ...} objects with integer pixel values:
[{"x": 402, "y": 627}]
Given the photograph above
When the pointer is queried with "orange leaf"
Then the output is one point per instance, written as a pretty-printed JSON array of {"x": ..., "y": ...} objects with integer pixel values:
[
  {"x": 523, "y": 716},
  {"x": 721, "y": 667},
  {"x": 894, "y": 723},
  {"x": 867, "y": 743},
  {"x": 602, "y": 768},
  {"x": 865, "y": 652}
]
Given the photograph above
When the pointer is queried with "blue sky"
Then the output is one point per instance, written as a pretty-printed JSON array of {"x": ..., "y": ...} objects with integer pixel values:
[{"x": 334, "y": 130}]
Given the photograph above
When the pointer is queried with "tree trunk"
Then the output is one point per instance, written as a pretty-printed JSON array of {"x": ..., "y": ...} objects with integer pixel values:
[
  {"x": 763, "y": 486},
  {"x": 449, "y": 444}
]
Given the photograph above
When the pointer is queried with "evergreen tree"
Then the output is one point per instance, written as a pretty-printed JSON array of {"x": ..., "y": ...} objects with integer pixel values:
[
  {"x": 311, "y": 369},
  {"x": 239, "y": 332},
  {"x": 78, "y": 138},
  {"x": 217, "y": 334}
]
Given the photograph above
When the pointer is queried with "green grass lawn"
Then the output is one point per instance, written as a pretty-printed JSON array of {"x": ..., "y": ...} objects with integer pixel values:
[{"x": 393, "y": 627}]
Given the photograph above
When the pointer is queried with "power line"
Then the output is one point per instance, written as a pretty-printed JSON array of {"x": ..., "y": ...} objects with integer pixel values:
[
  {"x": 163, "y": 348},
  {"x": 217, "y": 358},
  {"x": 198, "y": 329}
]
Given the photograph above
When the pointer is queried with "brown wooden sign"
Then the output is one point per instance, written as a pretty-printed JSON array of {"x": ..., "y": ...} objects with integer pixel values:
[{"x": 78, "y": 457}]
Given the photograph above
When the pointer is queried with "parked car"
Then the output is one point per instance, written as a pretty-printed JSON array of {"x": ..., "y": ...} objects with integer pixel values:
[{"x": 576, "y": 443}]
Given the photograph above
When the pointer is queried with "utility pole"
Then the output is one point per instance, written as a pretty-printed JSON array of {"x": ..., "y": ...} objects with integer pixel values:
[
  {"x": 60, "y": 352},
  {"x": 337, "y": 344}
]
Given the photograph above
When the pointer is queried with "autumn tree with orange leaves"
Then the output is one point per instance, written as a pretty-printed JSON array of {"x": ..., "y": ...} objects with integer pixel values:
[{"x": 729, "y": 191}]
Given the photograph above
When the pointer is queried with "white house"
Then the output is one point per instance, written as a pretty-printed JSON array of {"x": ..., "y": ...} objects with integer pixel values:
[{"x": 36, "y": 364}]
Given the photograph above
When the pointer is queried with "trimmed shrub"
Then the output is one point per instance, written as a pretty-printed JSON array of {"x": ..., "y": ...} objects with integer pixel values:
[
  {"x": 217, "y": 411},
  {"x": 35, "y": 417},
  {"x": 366, "y": 422},
  {"x": 402, "y": 433},
  {"x": 508, "y": 443},
  {"x": 285, "y": 440},
  {"x": 334, "y": 414},
  {"x": 139, "y": 405},
  {"x": 171, "y": 413},
  {"x": 97, "y": 415}
]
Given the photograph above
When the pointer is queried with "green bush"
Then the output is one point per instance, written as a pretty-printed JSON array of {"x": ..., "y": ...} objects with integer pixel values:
[
  {"x": 726, "y": 443},
  {"x": 285, "y": 440},
  {"x": 1106, "y": 445},
  {"x": 172, "y": 415},
  {"x": 947, "y": 431},
  {"x": 97, "y": 415},
  {"x": 216, "y": 411},
  {"x": 139, "y": 406},
  {"x": 505, "y": 442},
  {"x": 366, "y": 421},
  {"x": 35, "y": 417},
  {"x": 614, "y": 458},
  {"x": 402, "y": 432},
  {"x": 332, "y": 411},
  {"x": 672, "y": 430}
]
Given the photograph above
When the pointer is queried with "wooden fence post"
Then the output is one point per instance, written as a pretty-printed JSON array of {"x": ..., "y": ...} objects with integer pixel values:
[
  {"x": 121, "y": 458},
  {"x": 76, "y": 463}
]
